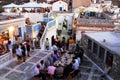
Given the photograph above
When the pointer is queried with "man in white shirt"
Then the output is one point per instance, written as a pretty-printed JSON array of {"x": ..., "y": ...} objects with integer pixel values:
[
  {"x": 42, "y": 65},
  {"x": 75, "y": 63},
  {"x": 55, "y": 48},
  {"x": 36, "y": 71},
  {"x": 75, "y": 66}
]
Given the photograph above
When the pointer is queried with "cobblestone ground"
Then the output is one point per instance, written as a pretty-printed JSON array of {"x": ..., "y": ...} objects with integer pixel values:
[{"x": 23, "y": 71}]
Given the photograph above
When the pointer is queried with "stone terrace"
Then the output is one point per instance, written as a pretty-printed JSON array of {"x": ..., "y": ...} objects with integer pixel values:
[{"x": 23, "y": 71}]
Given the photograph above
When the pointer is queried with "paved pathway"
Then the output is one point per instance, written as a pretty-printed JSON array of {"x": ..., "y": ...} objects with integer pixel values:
[
  {"x": 23, "y": 71},
  {"x": 89, "y": 71}
]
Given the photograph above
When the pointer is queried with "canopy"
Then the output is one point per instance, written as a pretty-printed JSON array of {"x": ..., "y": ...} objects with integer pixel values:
[
  {"x": 92, "y": 9},
  {"x": 45, "y": 5},
  {"x": 10, "y": 5},
  {"x": 80, "y": 9},
  {"x": 31, "y": 5},
  {"x": 28, "y": 5}
]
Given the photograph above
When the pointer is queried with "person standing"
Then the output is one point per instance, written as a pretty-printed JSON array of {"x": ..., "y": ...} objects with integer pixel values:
[
  {"x": 23, "y": 52},
  {"x": 47, "y": 44},
  {"x": 53, "y": 40},
  {"x": 63, "y": 43},
  {"x": 57, "y": 41},
  {"x": 10, "y": 47},
  {"x": 5, "y": 45},
  {"x": 28, "y": 48},
  {"x": 14, "y": 46},
  {"x": 1, "y": 48},
  {"x": 19, "y": 53},
  {"x": 71, "y": 42},
  {"x": 78, "y": 46},
  {"x": 55, "y": 48}
]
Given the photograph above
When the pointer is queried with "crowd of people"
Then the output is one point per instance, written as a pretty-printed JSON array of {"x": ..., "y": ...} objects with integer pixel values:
[
  {"x": 47, "y": 69},
  {"x": 63, "y": 44},
  {"x": 16, "y": 48},
  {"x": 22, "y": 50}
]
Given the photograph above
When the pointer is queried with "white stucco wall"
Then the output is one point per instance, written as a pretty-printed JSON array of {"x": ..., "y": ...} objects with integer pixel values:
[
  {"x": 51, "y": 32},
  {"x": 34, "y": 17}
]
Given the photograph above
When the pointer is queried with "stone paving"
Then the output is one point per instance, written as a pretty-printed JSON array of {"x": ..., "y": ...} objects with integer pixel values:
[
  {"x": 88, "y": 71},
  {"x": 23, "y": 71}
]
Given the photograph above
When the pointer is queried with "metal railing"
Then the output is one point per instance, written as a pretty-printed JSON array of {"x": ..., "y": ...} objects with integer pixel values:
[
  {"x": 95, "y": 21},
  {"x": 47, "y": 15},
  {"x": 48, "y": 26}
]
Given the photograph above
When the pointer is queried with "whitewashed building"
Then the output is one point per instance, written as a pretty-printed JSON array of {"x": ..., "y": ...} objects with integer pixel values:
[
  {"x": 60, "y": 6},
  {"x": 12, "y": 26}
]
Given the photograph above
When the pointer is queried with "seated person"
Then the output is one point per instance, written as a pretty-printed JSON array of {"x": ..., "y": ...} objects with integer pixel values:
[
  {"x": 67, "y": 70},
  {"x": 75, "y": 66},
  {"x": 51, "y": 70},
  {"x": 51, "y": 59},
  {"x": 42, "y": 65},
  {"x": 60, "y": 54},
  {"x": 59, "y": 71},
  {"x": 55, "y": 57},
  {"x": 37, "y": 72}
]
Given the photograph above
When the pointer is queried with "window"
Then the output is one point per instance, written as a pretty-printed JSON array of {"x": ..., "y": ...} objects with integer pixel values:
[
  {"x": 109, "y": 59},
  {"x": 89, "y": 44},
  {"x": 95, "y": 48},
  {"x": 101, "y": 53}
]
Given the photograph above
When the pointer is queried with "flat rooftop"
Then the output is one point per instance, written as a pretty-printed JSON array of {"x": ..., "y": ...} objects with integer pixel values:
[
  {"x": 112, "y": 40},
  {"x": 4, "y": 17}
]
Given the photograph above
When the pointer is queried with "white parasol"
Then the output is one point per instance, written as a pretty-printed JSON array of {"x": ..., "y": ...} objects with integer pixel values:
[{"x": 12, "y": 5}]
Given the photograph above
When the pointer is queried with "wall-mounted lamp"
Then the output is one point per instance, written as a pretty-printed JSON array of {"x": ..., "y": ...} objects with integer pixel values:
[{"x": 11, "y": 29}]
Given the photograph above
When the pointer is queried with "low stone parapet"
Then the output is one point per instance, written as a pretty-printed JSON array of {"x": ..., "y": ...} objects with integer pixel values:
[{"x": 5, "y": 59}]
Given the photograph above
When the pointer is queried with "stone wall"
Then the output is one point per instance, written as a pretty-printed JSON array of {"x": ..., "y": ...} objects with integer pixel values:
[
  {"x": 4, "y": 59},
  {"x": 78, "y": 3},
  {"x": 115, "y": 72}
]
